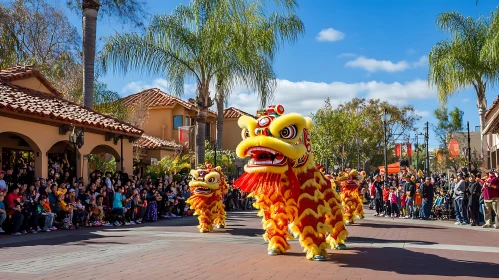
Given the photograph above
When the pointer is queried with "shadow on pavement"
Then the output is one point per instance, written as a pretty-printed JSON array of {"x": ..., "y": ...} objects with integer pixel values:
[
  {"x": 368, "y": 240},
  {"x": 393, "y": 225},
  {"x": 407, "y": 262},
  {"x": 251, "y": 232}
]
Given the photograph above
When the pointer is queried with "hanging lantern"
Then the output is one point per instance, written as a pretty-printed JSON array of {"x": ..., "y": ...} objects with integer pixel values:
[{"x": 454, "y": 148}]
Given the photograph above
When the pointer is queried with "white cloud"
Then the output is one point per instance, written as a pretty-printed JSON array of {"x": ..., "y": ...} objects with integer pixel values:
[
  {"x": 162, "y": 84},
  {"x": 421, "y": 113},
  {"x": 347, "y": 55},
  {"x": 466, "y": 100},
  {"x": 423, "y": 61},
  {"x": 306, "y": 97},
  {"x": 330, "y": 35},
  {"x": 373, "y": 65}
]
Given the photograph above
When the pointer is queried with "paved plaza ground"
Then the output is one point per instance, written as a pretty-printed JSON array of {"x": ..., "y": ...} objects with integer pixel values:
[{"x": 379, "y": 248}]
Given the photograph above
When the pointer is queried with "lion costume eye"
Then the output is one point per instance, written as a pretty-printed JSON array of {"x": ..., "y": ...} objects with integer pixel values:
[
  {"x": 245, "y": 133},
  {"x": 289, "y": 132},
  {"x": 211, "y": 180}
]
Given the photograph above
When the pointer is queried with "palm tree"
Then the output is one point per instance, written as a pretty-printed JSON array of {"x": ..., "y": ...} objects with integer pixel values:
[
  {"x": 463, "y": 61},
  {"x": 126, "y": 11},
  {"x": 256, "y": 44},
  {"x": 195, "y": 41}
]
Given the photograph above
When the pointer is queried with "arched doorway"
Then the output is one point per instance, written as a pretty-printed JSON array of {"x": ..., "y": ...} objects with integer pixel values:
[
  {"x": 62, "y": 158},
  {"x": 104, "y": 158},
  {"x": 19, "y": 153}
]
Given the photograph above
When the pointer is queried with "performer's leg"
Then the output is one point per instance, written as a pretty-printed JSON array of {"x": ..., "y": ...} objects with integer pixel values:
[
  {"x": 220, "y": 219},
  {"x": 205, "y": 220},
  {"x": 275, "y": 223},
  {"x": 360, "y": 207},
  {"x": 337, "y": 234}
]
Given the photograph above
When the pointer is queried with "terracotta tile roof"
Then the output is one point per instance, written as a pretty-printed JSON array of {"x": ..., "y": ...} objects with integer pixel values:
[
  {"x": 154, "y": 97},
  {"x": 232, "y": 112},
  {"x": 150, "y": 142},
  {"x": 31, "y": 102},
  {"x": 25, "y": 72},
  {"x": 492, "y": 107}
]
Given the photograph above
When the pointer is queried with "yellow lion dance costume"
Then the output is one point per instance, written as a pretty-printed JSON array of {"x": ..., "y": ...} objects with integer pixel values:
[
  {"x": 290, "y": 191},
  {"x": 207, "y": 189},
  {"x": 349, "y": 193}
]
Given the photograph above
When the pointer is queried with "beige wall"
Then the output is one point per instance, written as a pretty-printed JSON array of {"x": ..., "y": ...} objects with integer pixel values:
[
  {"x": 231, "y": 134},
  {"x": 42, "y": 137},
  {"x": 160, "y": 122},
  {"x": 32, "y": 83},
  {"x": 462, "y": 138}
]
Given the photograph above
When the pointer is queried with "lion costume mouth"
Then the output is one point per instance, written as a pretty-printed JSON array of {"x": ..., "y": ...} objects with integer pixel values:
[
  {"x": 262, "y": 156},
  {"x": 201, "y": 190}
]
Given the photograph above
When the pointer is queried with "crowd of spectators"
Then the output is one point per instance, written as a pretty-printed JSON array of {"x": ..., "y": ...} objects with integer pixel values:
[
  {"x": 62, "y": 201},
  {"x": 467, "y": 198}
]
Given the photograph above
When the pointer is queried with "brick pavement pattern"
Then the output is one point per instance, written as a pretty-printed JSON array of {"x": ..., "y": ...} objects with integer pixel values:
[{"x": 379, "y": 248}]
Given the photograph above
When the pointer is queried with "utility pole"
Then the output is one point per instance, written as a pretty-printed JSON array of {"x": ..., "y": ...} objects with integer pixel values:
[
  {"x": 417, "y": 153},
  {"x": 385, "y": 152},
  {"x": 427, "y": 160},
  {"x": 469, "y": 148}
]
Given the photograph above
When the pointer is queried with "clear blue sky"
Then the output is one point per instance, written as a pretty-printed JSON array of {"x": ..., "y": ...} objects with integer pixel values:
[{"x": 366, "y": 48}]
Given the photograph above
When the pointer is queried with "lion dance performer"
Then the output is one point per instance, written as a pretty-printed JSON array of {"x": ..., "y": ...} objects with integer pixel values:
[
  {"x": 350, "y": 197},
  {"x": 359, "y": 212},
  {"x": 290, "y": 191},
  {"x": 207, "y": 188}
]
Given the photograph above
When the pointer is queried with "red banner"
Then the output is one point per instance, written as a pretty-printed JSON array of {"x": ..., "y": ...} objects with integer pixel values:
[
  {"x": 409, "y": 150},
  {"x": 398, "y": 149},
  {"x": 454, "y": 148},
  {"x": 183, "y": 136}
]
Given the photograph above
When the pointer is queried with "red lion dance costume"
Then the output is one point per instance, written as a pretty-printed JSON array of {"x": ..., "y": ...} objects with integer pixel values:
[
  {"x": 207, "y": 188},
  {"x": 350, "y": 198},
  {"x": 290, "y": 191}
]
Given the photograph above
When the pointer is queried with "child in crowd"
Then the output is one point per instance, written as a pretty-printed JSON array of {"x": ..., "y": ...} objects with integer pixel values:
[
  {"x": 386, "y": 200},
  {"x": 44, "y": 210},
  {"x": 393, "y": 201},
  {"x": 418, "y": 202},
  {"x": 3, "y": 213},
  {"x": 403, "y": 204}
]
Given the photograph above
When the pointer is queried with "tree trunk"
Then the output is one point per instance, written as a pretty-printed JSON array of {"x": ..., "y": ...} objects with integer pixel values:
[
  {"x": 482, "y": 108},
  {"x": 90, "y": 11},
  {"x": 203, "y": 102},
  {"x": 220, "y": 100}
]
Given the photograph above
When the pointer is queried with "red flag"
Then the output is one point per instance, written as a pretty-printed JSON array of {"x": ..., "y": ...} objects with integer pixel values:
[
  {"x": 454, "y": 148},
  {"x": 409, "y": 149},
  {"x": 183, "y": 136},
  {"x": 397, "y": 150}
]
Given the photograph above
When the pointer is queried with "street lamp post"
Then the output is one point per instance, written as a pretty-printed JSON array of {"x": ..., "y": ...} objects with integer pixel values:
[
  {"x": 358, "y": 153},
  {"x": 76, "y": 138},
  {"x": 386, "y": 118}
]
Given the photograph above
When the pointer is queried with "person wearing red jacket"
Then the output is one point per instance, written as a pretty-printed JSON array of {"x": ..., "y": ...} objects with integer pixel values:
[
  {"x": 386, "y": 200},
  {"x": 490, "y": 197},
  {"x": 13, "y": 206}
]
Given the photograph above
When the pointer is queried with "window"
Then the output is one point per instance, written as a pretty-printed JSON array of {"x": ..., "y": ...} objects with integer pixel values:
[
  {"x": 187, "y": 121},
  {"x": 177, "y": 121}
]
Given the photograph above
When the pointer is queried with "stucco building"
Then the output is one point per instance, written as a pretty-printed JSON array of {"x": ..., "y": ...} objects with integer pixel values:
[{"x": 36, "y": 123}]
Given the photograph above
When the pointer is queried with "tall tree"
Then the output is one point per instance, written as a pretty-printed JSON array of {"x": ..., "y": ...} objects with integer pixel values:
[
  {"x": 258, "y": 35},
  {"x": 464, "y": 60},
  {"x": 34, "y": 32},
  {"x": 195, "y": 41},
  {"x": 336, "y": 130},
  {"x": 126, "y": 11},
  {"x": 448, "y": 123}
]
